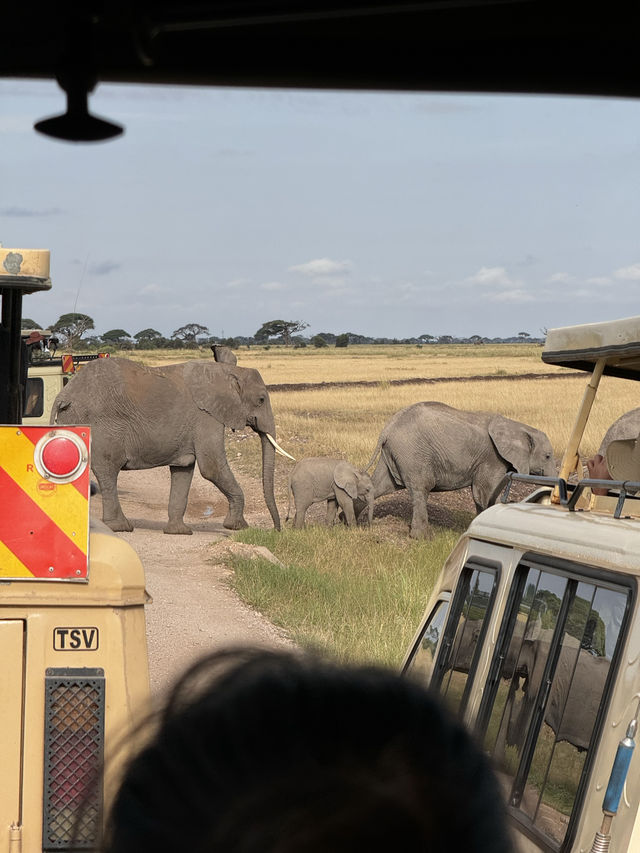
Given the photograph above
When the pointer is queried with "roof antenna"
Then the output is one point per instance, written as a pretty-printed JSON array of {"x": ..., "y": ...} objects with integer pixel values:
[{"x": 77, "y": 78}]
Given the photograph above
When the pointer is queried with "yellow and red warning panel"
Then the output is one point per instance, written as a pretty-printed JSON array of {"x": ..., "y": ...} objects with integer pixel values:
[
  {"x": 44, "y": 502},
  {"x": 67, "y": 363}
]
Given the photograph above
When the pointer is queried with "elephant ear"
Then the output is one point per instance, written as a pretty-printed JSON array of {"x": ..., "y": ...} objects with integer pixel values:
[
  {"x": 512, "y": 442},
  {"x": 344, "y": 477},
  {"x": 216, "y": 389}
]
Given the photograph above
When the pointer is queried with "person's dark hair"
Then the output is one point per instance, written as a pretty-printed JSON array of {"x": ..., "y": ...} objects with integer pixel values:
[{"x": 270, "y": 752}]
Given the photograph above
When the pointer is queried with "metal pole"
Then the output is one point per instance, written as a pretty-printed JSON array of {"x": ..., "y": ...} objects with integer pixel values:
[{"x": 571, "y": 460}]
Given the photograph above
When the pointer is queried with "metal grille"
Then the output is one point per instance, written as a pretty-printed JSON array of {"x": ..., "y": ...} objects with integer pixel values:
[{"x": 74, "y": 750}]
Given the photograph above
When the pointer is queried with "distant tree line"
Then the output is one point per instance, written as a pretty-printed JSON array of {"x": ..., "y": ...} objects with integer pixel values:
[{"x": 71, "y": 329}]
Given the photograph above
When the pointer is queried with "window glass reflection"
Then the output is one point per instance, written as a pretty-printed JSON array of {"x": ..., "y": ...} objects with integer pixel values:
[
  {"x": 576, "y": 692},
  {"x": 531, "y": 643},
  {"x": 475, "y": 593},
  {"x": 421, "y": 664},
  {"x": 561, "y": 638},
  {"x": 34, "y": 398}
]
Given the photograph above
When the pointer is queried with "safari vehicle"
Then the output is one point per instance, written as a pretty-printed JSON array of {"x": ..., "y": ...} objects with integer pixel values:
[
  {"x": 532, "y": 634},
  {"x": 47, "y": 375},
  {"x": 73, "y": 657}
]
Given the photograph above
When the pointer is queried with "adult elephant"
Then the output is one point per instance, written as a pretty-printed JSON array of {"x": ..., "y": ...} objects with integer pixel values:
[
  {"x": 627, "y": 426},
  {"x": 143, "y": 417},
  {"x": 572, "y": 699},
  {"x": 223, "y": 354},
  {"x": 432, "y": 447}
]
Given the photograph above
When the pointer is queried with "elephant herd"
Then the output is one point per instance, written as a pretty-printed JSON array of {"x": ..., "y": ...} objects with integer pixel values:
[
  {"x": 427, "y": 447},
  {"x": 144, "y": 417}
]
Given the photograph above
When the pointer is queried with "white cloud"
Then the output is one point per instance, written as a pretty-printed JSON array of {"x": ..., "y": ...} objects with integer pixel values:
[
  {"x": 151, "y": 289},
  {"x": 518, "y": 295},
  {"x": 560, "y": 277},
  {"x": 322, "y": 267},
  {"x": 406, "y": 291},
  {"x": 631, "y": 273},
  {"x": 237, "y": 283},
  {"x": 493, "y": 275},
  {"x": 330, "y": 281},
  {"x": 272, "y": 286},
  {"x": 599, "y": 280}
]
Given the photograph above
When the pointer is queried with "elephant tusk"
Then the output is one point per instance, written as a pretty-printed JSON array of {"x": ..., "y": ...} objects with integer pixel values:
[{"x": 278, "y": 448}]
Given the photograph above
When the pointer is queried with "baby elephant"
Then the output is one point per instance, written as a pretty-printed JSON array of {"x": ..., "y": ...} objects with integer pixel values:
[{"x": 332, "y": 480}]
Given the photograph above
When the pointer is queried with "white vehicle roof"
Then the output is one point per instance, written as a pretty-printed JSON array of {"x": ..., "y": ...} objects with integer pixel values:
[
  {"x": 589, "y": 538},
  {"x": 580, "y": 347}
]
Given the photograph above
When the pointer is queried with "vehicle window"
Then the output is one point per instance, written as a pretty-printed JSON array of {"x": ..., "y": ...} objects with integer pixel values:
[
  {"x": 34, "y": 398},
  {"x": 463, "y": 635},
  {"x": 552, "y": 670},
  {"x": 420, "y": 664}
]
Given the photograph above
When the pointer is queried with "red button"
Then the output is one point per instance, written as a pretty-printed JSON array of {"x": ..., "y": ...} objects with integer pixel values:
[{"x": 60, "y": 456}]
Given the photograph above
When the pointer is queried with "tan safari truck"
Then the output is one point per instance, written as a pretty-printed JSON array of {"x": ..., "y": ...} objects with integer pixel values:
[
  {"x": 47, "y": 374},
  {"x": 74, "y": 676},
  {"x": 532, "y": 634}
]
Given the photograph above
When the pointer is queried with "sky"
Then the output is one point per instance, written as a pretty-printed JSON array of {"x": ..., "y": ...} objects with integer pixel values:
[{"x": 388, "y": 215}]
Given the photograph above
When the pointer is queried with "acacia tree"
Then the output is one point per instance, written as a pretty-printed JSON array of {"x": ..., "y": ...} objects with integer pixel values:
[
  {"x": 117, "y": 337},
  {"x": 73, "y": 326},
  {"x": 279, "y": 329},
  {"x": 148, "y": 338},
  {"x": 188, "y": 334},
  {"x": 28, "y": 323}
]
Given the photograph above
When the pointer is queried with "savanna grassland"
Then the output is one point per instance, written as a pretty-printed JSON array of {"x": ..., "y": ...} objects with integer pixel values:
[
  {"x": 359, "y": 594},
  {"x": 346, "y": 421}
]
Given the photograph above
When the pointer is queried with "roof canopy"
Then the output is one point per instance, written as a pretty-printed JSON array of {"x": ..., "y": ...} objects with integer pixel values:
[{"x": 580, "y": 347}]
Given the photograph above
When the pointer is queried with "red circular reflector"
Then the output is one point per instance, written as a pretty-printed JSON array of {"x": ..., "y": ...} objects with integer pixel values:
[{"x": 61, "y": 456}]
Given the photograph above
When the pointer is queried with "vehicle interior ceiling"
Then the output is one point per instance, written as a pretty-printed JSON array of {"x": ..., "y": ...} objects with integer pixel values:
[
  {"x": 517, "y": 46},
  {"x": 492, "y": 46}
]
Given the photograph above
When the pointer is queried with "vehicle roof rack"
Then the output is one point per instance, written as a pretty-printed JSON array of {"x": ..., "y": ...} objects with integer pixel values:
[{"x": 621, "y": 500}]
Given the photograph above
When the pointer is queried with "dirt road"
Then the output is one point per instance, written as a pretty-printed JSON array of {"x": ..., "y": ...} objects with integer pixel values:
[{"x": 194, "y": 609}]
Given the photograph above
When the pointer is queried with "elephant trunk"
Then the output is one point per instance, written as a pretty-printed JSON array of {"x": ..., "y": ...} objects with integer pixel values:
[
  {"x": 370, "y": 506},
  {"x": 268, "y": 465}
]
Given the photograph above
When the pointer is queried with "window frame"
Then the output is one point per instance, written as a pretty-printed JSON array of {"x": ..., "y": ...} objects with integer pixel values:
[
  {"x": 578, "y": 573},
  {"x": 444, "y": 597},
  {"x": 446, "y": 641}
]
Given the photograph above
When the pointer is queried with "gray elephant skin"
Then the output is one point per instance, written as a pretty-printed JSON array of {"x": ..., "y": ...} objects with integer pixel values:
[
  {"x": 223, "y": 354},
  {"x": 432, "y": 447},
  {"x": 320, "y": 478},
  {"x": 627, "y": 426},
  {"x": 574, "y": 695},
  {"x": 143, "y": 417}
]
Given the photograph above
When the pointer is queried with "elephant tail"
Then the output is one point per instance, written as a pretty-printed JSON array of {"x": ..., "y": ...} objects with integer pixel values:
[{"x": 376, "y": 453}]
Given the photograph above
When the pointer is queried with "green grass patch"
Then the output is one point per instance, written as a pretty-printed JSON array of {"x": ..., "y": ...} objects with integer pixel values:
[{"x": 344, "y": 591}]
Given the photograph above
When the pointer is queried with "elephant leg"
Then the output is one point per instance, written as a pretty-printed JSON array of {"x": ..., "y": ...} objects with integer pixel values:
[
  {"x": 178, "y": 497},
  {"x": 486, "y": 489},
  {"x": 419, "y": 516},
  {"x": 112, "y": 514},
  {"x": 301, "y": 510},
  {"x": 346, "y": 505},
  {"x": 332, "y": 509},
  {"x": 215, "y": 468}
]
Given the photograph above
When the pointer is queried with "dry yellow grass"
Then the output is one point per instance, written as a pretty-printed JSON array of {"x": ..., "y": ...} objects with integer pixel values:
[
  {"x": 347, "y": 422},
  {"x": 359, "y": 363}
]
